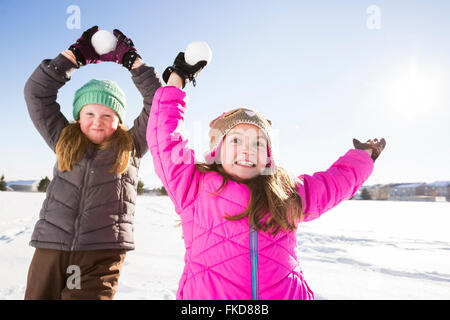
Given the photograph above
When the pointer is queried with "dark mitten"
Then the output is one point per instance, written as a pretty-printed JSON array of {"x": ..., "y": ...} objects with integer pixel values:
[
  {"x": 124, "y": 53},
  {"x": 83, "y": 50},
  {"x": 375, "y": 145},
  {"x": 186, "y": 71}
]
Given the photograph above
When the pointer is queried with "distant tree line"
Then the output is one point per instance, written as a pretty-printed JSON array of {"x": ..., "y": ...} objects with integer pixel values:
[
  {"x": 2, "y": 183},
  {"x": 159, "y": 191},
  {"x": 365, "y": 195},
  {"x": 43, "y": 184},
  {"x": 42, "y": 187},
  {"x": 162, "y": 191}
]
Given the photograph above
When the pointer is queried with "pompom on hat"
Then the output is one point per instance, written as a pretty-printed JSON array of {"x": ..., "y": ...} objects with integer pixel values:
[
  {"x": 220, "y": 126},
  {"x": 104, "y": 92}
]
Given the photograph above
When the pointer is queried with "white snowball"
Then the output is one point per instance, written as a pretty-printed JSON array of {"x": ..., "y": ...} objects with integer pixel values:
[
  {"x": 103, "y": 41},
  {"x": 197, "y": 51}
]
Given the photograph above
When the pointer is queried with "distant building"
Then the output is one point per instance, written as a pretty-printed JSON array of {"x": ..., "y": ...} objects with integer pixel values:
[
  {"x": 406, "y": 191},
  {"x": 24, "y": 185},
  {"x": 436, "y": 191},
  {"x": 379, "y": 192}
]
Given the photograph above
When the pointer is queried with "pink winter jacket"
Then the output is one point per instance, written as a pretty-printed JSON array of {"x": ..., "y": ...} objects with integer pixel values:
[{"x": 226, "y": 259}]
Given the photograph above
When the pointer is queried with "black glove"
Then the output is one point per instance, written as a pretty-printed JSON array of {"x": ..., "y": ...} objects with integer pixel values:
[
  {"x": 184, "y": 70},
  {"x": 374, "y": 145},
  {"x": 124, "y": 53},
  {"x": 83, "y": 50}
]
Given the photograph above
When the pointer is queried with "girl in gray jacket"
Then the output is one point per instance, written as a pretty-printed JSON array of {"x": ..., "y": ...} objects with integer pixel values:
[{"x": 85, "y": 225}]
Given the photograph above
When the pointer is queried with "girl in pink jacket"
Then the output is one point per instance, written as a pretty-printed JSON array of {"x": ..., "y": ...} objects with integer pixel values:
[{"x": 239, "y": 210}]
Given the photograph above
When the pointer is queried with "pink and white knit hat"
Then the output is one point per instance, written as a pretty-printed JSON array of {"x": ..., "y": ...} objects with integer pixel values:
[{"x": 220, "y": 126}]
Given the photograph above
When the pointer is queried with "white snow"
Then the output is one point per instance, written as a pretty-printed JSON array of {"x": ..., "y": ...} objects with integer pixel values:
[
  {"x": 197, "y": 51},
  {"x": 103, "y": 42},
  {"x": 358, "y": 250}
]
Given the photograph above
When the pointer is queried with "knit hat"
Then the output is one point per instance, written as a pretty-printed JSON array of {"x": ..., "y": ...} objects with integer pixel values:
[
  {"x": 220, "y": 126},
  {"x": 104, "y": 92}
]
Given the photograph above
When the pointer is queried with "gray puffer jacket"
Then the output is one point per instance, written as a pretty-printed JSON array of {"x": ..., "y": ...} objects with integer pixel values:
[{"x": 87, "y": 208}]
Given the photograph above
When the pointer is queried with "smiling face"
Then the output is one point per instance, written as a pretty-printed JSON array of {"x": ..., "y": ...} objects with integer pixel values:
[
  {"x": 98, "y": 122},
  {"x": 243, "y": 153}
]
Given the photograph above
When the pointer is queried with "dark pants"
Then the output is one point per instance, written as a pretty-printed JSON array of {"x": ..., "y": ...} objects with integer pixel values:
[{"x": 74, "y": 275}]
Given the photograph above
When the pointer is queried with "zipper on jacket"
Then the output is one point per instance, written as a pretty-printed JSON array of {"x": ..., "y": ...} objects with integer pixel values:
[
  {"x": 81, "y": 207},
  {"x": 254, "y": 263}
]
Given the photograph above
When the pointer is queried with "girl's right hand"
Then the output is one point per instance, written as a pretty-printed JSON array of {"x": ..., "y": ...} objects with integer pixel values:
[
  {"x": 83, "y": 49},
  {"x": 184, "y": 70},
  {"x": 375, "y": 146},
  {"x": 125, "y": 53},
  {"x": 175, "y": 80}
]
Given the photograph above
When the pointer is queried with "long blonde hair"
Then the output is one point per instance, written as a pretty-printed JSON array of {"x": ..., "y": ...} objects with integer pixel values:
[
  {"x": 274, "y": 201},
  {"x": 72, "y": 144}
]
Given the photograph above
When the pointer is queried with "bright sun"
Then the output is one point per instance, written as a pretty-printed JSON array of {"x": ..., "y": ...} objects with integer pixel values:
[{"x": 412, "y": 89}]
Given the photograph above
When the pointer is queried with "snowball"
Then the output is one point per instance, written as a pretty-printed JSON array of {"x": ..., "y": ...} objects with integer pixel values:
[
  {"x": 197, "y": 51},
  {"x": 103, "y": 42}
]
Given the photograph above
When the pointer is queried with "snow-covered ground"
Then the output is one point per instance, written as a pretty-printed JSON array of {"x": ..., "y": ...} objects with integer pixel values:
[{"x": 358, "y": 250}]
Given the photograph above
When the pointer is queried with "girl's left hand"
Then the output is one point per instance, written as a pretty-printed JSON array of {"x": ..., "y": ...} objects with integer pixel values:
[{"x": 374, "y": 147}]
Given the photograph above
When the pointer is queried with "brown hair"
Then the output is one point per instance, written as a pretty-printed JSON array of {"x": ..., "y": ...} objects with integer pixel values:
[
  {"x": 72, "y": 144},
  {"x": 274, "y": 201}
]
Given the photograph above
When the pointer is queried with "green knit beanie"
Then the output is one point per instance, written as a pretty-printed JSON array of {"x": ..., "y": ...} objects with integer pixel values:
[{"x": 104, "y": 92}]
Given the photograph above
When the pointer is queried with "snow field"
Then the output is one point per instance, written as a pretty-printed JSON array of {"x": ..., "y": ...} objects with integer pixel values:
[{"x": 357, "y": 250}]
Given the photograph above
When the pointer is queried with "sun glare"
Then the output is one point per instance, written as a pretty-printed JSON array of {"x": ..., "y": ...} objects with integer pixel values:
[{"x": 412, "y": 89}]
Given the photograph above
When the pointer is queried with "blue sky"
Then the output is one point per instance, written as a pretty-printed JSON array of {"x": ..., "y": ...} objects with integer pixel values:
[{"x": 316, "y": 69}]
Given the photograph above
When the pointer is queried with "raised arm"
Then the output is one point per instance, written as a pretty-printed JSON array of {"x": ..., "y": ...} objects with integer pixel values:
[
  {"x": 147, "y": 82},
  {"x": 324, "y": 190},
  {"x": 173, "y": 161},
  {"x": 41, "y": 89}
]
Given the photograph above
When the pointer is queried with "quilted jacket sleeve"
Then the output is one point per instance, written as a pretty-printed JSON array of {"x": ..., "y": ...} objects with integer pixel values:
[
  {"x": 324, "y": 190},
  {"x": 147, "y": 82},
  {"x": 41, "y": 91},
  {"x": 173, "y": 161}
]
